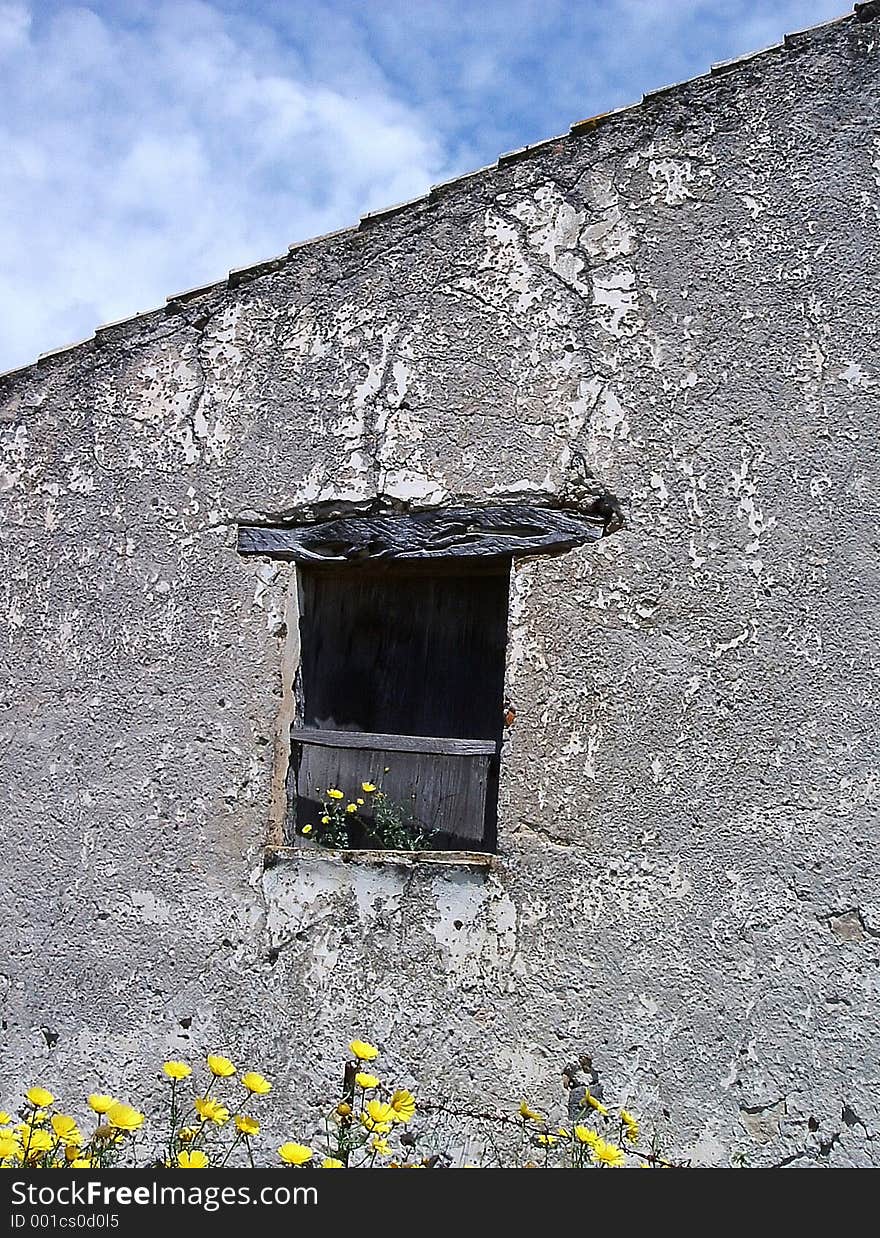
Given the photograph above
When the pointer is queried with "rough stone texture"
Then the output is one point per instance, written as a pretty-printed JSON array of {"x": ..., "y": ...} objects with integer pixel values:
[{"x": 686, "y": 293}]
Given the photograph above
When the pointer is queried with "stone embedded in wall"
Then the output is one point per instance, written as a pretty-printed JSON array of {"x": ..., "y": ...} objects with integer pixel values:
[
  {"x": 762, "y": 1121},
  {"x": 850, "y": 926}
]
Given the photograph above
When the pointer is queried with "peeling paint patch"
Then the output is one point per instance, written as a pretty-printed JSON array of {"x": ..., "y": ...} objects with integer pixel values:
[
  {"x": 474, "y": 927},
  {"x": 615, "y": 299},
  {"x": 671, "y": 180}
]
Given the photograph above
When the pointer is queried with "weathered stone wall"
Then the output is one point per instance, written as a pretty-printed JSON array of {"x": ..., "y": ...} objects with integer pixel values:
[{"x": 686, "y": 293}]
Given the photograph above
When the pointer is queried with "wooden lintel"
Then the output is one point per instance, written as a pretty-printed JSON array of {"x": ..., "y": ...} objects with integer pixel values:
[{"x": 443, "y": 533}]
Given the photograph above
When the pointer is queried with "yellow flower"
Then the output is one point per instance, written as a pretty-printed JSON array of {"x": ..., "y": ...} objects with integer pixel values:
[
  {"x": 563, "y": 1133},
  {"x": 81, "y": 1162},
  {"x": 39, "y": 1097},
  {"x": 330, "y": 1162},
  {"x": 404, "y": 1105},
  {"x": 66, "y": 1128},
  {"x": 255, "y": 1083},
  {"x": 37, "y": 1118},
  {"x": 607, "y": 1154},
  {"x": 382, "y": 1146},
  {"x": 124, "y": 1117},
  {"x": 365, "y": 1081},
  {"x": 325, "y": 820},
  {"x": 343, "y": 1109},
  {"x": 219, "y": 1066},
  {"x": 585, "y": 1135},
  {"x": 295, "y": 1153},
  {"x": 177, "y": 1070},
  {"x": 307, "y": 829},
  {"x": 368, "y": 787},
  {"x": 375, "y": 1128},
  {"x": 210, "y": 1110},
  {"x": 361, "y": 800},
  {"x": 546, "y": 1141},
  {"x": 529, "y": 1114},
  {"x": 378, "y": 1111},
  {"x": 195, "y": 1159},
  {"x": 40, "y": 1141},
  {"x": 246, "y": 1124},
  {"x": 5, "y": 1118},
  {"x": 9, "y": 1147},
  {"x": 100, "y": 1103},
  {"x": 631, "y": 1134},
  {"x": 363, "y": 1051},
  {"x": 334, "y": 795},
  {"x": 351, "y": 807},
  {"x": 590, "y": 1100}
]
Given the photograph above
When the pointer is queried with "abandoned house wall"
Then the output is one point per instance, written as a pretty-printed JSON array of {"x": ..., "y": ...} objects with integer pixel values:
[{"x": 684, "y": 292}]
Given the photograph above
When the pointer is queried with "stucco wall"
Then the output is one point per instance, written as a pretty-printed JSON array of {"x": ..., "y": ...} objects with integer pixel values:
[{"x": 687, "y": 885}]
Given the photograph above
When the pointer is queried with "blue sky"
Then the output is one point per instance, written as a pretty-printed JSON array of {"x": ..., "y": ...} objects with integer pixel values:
[{"x": 148, "y": 146}]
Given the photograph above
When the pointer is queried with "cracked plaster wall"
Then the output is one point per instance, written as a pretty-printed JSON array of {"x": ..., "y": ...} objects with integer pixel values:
[{"x": 687, "y": 887}]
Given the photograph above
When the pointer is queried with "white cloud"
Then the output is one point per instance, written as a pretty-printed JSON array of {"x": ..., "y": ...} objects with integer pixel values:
[
  {"x": 14, "y": 23},
  {"x": 138, "y": 160},
  {"x": 150, "y": 145}
]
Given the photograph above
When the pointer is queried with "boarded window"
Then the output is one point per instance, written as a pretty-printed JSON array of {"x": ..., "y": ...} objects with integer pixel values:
[
  {"x": 403, "y": 635},
  {"x": 402, "y": 681}
]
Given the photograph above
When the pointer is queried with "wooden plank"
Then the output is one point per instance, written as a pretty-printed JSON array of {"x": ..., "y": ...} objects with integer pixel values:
[
  {"x": 444, "y": 533},
  {"x": 404, "y": 655},
  {"x": 443, "y": 792},
  {"x": 393, "y": 743}
]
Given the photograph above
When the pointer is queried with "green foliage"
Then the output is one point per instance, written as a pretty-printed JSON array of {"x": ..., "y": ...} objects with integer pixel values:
[{"x": 368, "y": 819}]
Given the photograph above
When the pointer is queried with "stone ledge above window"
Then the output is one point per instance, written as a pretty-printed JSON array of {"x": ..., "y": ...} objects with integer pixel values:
[{"x": 444, "y": 534}]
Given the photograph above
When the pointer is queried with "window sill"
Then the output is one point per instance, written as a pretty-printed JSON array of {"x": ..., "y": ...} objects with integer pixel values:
[{"x": 401, "y": 859}]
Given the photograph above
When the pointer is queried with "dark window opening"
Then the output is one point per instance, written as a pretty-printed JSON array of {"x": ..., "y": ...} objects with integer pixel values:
[{"x": 409, "y": 660}]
